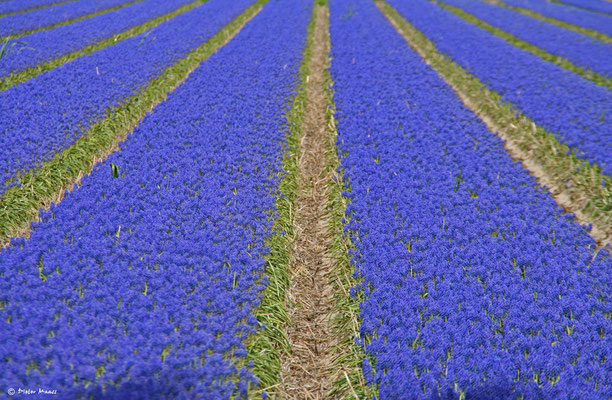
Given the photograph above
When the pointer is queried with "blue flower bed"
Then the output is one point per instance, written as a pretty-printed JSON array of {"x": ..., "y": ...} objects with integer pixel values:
[
  {"x": 24, "y": 22},
  {"x": 48, "y": 113},
  {"x": 599, "y": 6},
  {"x": 19, "y": 5},
  {"x": 573, "y": 15},
  {"x": 475, "y": 281},
  {"x": 30, "y": 50},
  {"x": 582, "y": 50},
  {"x": 143, "y": 284},
  {"x": 576, "y": 110}
]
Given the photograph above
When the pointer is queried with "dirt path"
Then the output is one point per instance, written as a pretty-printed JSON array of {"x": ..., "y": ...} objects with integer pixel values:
[{"x": 307, "y": 373}]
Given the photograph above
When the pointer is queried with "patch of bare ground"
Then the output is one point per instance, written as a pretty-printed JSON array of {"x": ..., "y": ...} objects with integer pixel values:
[{"x": 308, "y": 372}]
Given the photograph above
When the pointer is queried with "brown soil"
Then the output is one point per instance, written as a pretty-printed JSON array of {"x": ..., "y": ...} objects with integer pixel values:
[{"x": 308, "y": 372}]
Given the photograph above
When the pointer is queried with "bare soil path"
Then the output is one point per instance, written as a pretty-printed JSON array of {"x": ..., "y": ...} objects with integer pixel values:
[{"x": 309, "y": 370}]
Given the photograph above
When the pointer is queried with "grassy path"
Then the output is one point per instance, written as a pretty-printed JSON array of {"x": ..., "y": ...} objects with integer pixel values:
[
  {"x": 306, "y": 372},
  {"x": 307, "y": 350},
  {"x": 309, "y": 371}
]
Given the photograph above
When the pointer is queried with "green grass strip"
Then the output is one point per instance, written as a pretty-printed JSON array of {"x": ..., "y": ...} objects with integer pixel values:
[
  {"x": 585, "y": 31},
  {"x": 39, "y": 187},
  {"x": 269, "y": 345},
  {"x": 35, "y": 8},
  {"x": 68, "y": 21},
  {"x": 18, "y": 77},
  {"x": 521, "y": 44},
  {"x": 575, "y": 184},
  {"x": 348, "y": 356}
]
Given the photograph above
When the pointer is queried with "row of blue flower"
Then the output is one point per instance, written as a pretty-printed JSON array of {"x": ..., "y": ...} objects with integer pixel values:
[
  {"x": 475, "y": 282},
  {"x": 18, "y": 23},
  {"x": 599, "y": 6},
  {"x": 142, "y": 282},
  {"x": 576, "y": 110},
  {"x": 48, "y": 113},
  {"x": 572, "y": 15},
  {"x": 30, "y": 50},
  {"x": 11, "y": 6},
  {"x": 582, "y": 50}
]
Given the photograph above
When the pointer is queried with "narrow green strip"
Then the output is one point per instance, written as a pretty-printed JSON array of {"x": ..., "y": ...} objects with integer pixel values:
[
  {"x": 577, "y": 179},
  {"x": 521, "y": 44},
  {"x": 269, "y": 345},
  {"x": 59, "y": 3},
  {"x": 40, "y": 186},
  {"x": 68, "y": 21},
  {"x": 585, "y": 31},
  {"x": 18, "y": 77}
]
